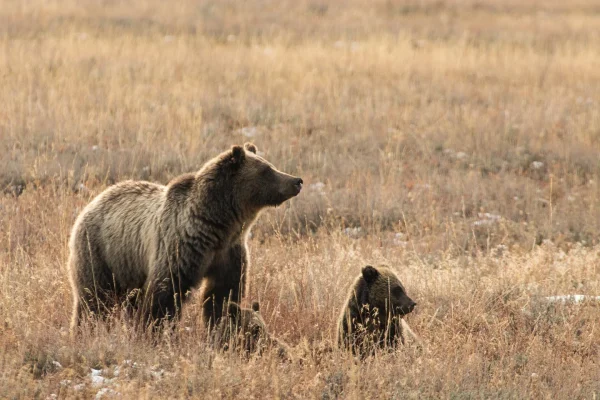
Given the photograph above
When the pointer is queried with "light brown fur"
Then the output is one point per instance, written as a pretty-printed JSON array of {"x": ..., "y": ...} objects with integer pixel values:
[{"x": 162, "y": 241}]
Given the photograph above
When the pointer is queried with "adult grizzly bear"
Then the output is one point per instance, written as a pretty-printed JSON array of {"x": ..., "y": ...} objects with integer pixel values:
[
  {"x": 371, "y": 317},
  {"x": 161, "y": 241}
]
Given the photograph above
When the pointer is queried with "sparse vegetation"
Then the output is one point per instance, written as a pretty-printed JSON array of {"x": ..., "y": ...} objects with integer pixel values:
[{"x": 456, "y": 141}]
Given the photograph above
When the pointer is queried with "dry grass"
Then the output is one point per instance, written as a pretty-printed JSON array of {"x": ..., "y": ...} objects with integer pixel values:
[{"x": 408, "y": 121}]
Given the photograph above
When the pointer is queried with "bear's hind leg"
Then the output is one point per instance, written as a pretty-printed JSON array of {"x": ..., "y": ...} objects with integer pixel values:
[
  {"x": 161, "y": 304},
  {"x": 77, "y": 315}
]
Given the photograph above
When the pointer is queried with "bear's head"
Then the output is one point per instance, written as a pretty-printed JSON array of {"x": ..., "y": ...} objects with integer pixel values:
[
  {"x": 385, "y": 291},
  {"x": 257, "y": 182}
]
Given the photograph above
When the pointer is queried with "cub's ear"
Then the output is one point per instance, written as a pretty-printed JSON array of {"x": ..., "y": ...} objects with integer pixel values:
[
  {"x": 250, "y": 147},
  {"x": 370, "y": 274},
  {"x": 255, "y": 306},
  {"x": 237, "y": 155},
  {"x": 233, "y": 310}
]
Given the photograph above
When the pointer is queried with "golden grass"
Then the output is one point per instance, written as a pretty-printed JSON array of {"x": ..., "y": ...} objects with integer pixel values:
[{"x": 456, "y": 141}]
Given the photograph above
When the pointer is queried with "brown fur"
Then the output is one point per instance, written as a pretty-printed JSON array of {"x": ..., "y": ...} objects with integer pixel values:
[
  {"x": 245, "y": 331},
  {"x": 371, "y": 316},
  {"x": 162, "y": 241}
]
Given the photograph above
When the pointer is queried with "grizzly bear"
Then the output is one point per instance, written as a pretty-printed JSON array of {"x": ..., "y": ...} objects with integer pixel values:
[
  {"x": 371, "y": 317},
  {"x": 162, "y": 241},
  {"x": 245, "y": 331}
]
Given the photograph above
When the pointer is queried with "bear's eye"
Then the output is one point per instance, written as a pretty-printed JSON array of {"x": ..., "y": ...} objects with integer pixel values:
[
  {"x": 266, "y": 170},
  {"x": 397, "y": 291}
]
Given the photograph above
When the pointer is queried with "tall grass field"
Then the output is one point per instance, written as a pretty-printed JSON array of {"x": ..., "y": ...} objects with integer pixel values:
[{"x": 456, "y": 141}]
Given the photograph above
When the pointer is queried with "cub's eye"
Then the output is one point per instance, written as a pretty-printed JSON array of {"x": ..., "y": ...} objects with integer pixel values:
[{"x": 397, "y": 291}]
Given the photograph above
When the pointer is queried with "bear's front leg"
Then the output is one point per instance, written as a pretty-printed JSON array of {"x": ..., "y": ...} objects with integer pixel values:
[{"x": 225, "y": 281}]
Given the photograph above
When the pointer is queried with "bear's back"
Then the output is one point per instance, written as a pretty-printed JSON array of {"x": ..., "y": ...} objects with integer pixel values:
[{"x": 121, "y": 226}]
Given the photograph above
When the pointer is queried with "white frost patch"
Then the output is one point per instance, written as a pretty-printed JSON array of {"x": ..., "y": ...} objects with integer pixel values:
[
  {"x": 56, "y": 364},
  {"x": 537, "y": 164},
  {"x": 487, "y": 219},
  {"x": 318, "y": 187},
  {"x": 98, "y": 381},
  {"x": 132, "y": 364},
  {"x": 353, "y": 233},
  {"x": 106, "y": 392},
  {"x": 483, "y": 222},
  {"x": 78, "y": 387},
  {"x": 571, "y": 298},
  {"x": 460, "y": 155},
  {"x": 400, "y": 239},
  {"x": 249, "y": 131},
  {"x": 493, "y": 217},
  {"x": 157, "y": 374}
]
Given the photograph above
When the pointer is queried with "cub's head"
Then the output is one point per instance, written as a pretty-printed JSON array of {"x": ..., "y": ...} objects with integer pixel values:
[
  {"x": 244, "y": 330},
  {"x": 257, "y": 182},
  {"x": 385, "y": 291}
]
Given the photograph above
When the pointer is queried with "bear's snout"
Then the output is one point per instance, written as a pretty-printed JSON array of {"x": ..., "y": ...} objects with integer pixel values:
[
  {"x": 407, "y": 308},
  {"x": 298, "y": 185},
  {"x": 293, "y": 186}
]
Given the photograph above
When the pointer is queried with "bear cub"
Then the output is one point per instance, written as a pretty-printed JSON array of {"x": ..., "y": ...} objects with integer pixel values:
[
  {"x": 372, "y": 315},
  {"x": 244, "y": 331}
]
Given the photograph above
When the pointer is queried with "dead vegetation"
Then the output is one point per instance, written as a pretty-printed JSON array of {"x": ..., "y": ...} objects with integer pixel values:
[{"x": 454, "y": 140}]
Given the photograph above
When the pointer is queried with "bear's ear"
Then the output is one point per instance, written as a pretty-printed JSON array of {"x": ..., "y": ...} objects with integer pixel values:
[
  {"x": 370, "y": 274},
  {"x": 233, "y": 310},
  {"x": 237, "y": 155},
  {"x": 255, "y": 306},
  {"x": 250, "y": 147}
]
